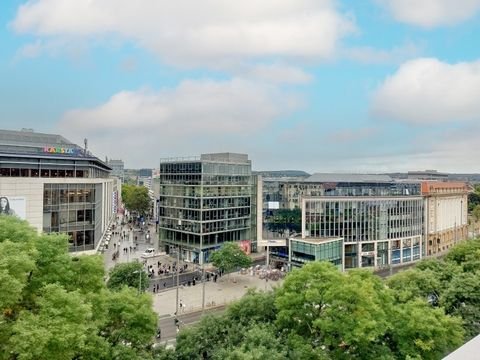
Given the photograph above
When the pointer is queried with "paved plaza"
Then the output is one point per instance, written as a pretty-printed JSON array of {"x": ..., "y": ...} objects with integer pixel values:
[
  {"x": 225, "y": 290},
  {"x": 222, "y": 292}
]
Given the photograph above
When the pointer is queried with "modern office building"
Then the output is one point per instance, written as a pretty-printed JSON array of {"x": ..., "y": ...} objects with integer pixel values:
[
  {"x": 302, "y": 251},
  {"x": 377, "y": 231},
  {"x": 206, "y": 201},
  {"x": 118, "y": 169},
  {"x": 447, "y": 214},
  {"x": 379, "y": 219},
  {"x": 56, "y": 186}
]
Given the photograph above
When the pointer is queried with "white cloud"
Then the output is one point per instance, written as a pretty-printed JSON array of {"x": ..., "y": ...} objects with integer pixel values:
[
  {"x": 431, "y": 13},
  {"x": 370, "y": 55},
  {"x": 209, "y": 32},
  {"x": 200, "y": 114},
  {"x": 277, "y": 74},
  {"x": 352, "y": 135},
  {"x": 428, "y": 91}
]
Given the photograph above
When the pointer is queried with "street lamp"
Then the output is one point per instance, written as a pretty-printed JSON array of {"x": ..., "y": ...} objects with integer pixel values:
[{"x": 177, "y": 249}]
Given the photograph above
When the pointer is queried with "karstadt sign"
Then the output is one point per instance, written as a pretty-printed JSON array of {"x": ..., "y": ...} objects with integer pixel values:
[{"x": 61, "y": 150}]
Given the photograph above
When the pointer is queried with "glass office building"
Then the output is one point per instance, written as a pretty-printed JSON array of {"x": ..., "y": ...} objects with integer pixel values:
[
  {"x": 57, "y": 186},
  {"x": 302, "y": 251},
  {"x": 377, "y": 231},
  {"x": 205, "y": 202}
]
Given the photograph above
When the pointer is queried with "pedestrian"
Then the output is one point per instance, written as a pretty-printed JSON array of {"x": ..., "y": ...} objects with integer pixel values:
[{"x": 154, "y": 288}]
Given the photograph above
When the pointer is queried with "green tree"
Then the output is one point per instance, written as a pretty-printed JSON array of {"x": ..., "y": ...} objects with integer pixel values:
[
  {"x": 136, "y": 199},
  {"x": 128, "y": 274},
  {"x": 414, "y": 283},
  {"x": 130, "y": 319},
  {"x": 56, "y": 306},
  {"x": 56, "y": 329},
  {"x": 476, "y": 216},
  {"x": 462, "y": 298},
  {"x": 423, "y": 332},
  {"x": 230, "y": 257}
]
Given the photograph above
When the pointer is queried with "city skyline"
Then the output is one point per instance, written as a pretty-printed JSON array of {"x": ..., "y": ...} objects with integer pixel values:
[{"x": 319, "y": 86}]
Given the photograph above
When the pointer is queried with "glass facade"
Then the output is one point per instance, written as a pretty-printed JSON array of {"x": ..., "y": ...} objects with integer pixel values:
[
  {"x": 72, "y": 209},
  {"x": 376, "y": 231},
  {"x": 303, "y": 251},
  {"x": 205, "y": 203},
  {"x": 290, "y": 193}
]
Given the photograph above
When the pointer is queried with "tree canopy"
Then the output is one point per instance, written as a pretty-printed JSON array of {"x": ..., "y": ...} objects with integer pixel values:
[
  {"x": 229, "y": 257},
  {"x": 56, "y": 306},
  {"x": 128, "y": 274},
  {"x": 321, "y": 313},
  {"x": 136, "y": 198}
]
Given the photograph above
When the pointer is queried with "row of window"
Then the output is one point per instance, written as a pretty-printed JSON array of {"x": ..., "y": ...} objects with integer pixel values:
[{"x": 48, "y": 173}]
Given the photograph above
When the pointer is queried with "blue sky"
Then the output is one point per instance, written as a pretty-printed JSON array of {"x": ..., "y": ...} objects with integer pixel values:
[{"x": 316, "y": 85}]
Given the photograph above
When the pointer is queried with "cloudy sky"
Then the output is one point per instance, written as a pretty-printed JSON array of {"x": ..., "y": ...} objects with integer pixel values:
[{"x": 315, "y": 85}]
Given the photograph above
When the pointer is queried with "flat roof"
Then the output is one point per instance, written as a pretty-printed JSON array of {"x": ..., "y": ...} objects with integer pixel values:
[
  {"x": 317, "y": 240},
  {"x": 349, "y": 178},
  {"x": 27, "y": 143}
]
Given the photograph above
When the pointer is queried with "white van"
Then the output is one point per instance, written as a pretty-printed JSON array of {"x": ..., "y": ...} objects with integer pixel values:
[{"x": 149, "y": 252}]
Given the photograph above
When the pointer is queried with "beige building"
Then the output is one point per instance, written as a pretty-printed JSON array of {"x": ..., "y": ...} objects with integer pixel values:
[
  {"x": 57, "y": 186},
  {"x": 446, "y": 217}
]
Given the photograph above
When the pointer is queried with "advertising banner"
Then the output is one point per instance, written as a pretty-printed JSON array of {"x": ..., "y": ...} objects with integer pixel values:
[{"x": 13, "y": 205}]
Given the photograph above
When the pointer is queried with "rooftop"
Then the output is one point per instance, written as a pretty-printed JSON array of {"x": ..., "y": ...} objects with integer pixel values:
[
  {"x": 310, "y": 240},
  {"x": 348, "y": 178},
  {"x": 31, "y": 138}
]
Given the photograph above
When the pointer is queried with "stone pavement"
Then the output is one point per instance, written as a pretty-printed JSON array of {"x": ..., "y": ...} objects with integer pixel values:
[
  {"x": 127, "y": 242},
  {"x": 223, "y": 291}
]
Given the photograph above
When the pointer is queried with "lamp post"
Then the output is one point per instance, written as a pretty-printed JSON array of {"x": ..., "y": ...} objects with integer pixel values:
[{"x": 178, "y": 278}]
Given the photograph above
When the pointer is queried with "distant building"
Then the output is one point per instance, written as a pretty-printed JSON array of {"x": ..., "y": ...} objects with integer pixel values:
[
  {"x": 118, "y": 169},
  {"x": 57, "y": 186},
  {"x": 145, "y": 178},
  {"x": 206, "y": 201},
  {"x": 447, "y": 214},
  {"x": 427, "y": 175}
]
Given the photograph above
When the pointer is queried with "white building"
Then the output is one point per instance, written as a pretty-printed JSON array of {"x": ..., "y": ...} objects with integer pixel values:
[{"x": 56, "y": 186}]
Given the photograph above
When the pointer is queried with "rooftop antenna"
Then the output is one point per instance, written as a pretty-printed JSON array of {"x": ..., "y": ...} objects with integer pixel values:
[{"x": 85, "y": 142}]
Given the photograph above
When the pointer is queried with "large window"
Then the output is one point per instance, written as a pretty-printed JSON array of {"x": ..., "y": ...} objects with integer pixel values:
[{"x": 70, "y": 208}]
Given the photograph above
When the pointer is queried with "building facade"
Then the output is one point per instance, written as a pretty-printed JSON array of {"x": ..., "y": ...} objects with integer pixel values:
[
  {"x": 327, "y": 184},
  {"x": 206, "y": 201},
  {"x": 377, "y": 231},
  {"x": 118, "y": 169},
  {"x": 56, "y": 186},
  {"x": 447, "y": 214},
  {"x": 302, "y": 251}
]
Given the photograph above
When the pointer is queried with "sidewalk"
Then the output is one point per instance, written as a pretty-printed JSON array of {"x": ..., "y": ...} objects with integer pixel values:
[{"x": 222, "y": 292}]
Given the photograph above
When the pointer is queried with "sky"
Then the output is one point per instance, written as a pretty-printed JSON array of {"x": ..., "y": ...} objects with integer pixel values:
[{"x": 313, "y": 85}]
